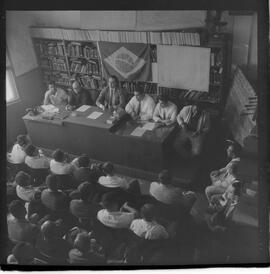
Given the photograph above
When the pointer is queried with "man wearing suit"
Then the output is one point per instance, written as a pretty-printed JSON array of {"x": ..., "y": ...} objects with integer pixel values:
[{"x": 111, "y": 97}]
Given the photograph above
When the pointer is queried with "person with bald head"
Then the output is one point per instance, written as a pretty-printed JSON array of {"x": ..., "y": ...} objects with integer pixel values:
[{"x": 78, "y": 96}]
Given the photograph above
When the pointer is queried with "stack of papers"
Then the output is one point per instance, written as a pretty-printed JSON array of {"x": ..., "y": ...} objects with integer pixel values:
[
  {"x": 83, "y": 108},
  {"x": 50, "y": 108},
  {"x": 94, "y": 115},
  {"x": 138, "y": 131}
]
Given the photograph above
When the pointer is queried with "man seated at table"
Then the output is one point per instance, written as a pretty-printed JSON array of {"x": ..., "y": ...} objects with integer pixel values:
[
  {"x": 194, "y": 123},
  {"x": 78, "y": 96},
  {"x": 111, "y": 97},
  {"x": 165, "y": 111},
  {"x": 141, "y": 106},
  {"x": 55, "y": 96}
]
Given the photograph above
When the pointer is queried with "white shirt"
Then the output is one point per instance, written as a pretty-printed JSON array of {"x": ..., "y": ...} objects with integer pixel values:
[
  {"x": 115, "y": 219},
  {"x": 37, "y": 162},
  {"x": 146, "y": 109},
  {"x": 25, "y": 193},
  {"x": 165, "y": 113},
  {"x": 113, "y": 181},
  {"x": 17, "y": 155},
  {"x": 166, "y": 194},
  {"x": 149, "y": 230},
  {"x": 61, "y": 168}
]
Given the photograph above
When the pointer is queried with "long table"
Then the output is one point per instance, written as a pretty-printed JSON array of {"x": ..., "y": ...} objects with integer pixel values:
[{"x": 102, "y": 140}]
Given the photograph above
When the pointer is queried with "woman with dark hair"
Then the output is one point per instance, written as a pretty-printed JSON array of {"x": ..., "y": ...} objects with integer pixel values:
[{"x": 59, "y": 164}]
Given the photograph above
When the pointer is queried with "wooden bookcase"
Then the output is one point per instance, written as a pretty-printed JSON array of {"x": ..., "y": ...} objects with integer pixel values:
[{"x": 63, "y": 61}]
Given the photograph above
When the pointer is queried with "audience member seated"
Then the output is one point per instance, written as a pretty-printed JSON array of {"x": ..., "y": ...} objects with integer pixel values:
[
  {"x": 51, "y": 245},
  {"x": 36, "y": 211},
  {"x": 11, "y": 186},
  {"x": 53, "y": 198},
  {"x": 147, "y": 227},
  {"x": 111, "y": 180},
  {"x": 166, "y": 193},
  {"x": 82, "y": 171},
  {"x": 22, "y": 254},
  {"x": 20, "y": 229},
  {"x": 17, "y": 154},
  {"x": 141, "y": 106},
  {"x": 165, "y": 111},
  {"x": 84, "y": 208},
  {"x": 55, "y": 96},
  {"x": 114, "y": 216},
  {"x": 85, "y": 251},
  {"x": 59, "y": 164},
  {"x": 194, "y": 125},
  {"x": 24, "y": 188}
]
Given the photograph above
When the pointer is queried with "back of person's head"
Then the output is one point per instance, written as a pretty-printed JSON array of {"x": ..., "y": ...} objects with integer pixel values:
[
  {"x": 49, "y": 230},
  {"x": 86, "y": 191},
  {"x": 52, "y": 182},
  {"x": 30, "y": 150},
  {"x": 82, "y": 242},
  {"x": 23, "y": 179},
  {"x": 84, "y": 161},
  {"x": 17, "y": 209},
  {"x": 58, "y": 155},
  {"x": 148, "y": 212},
  {"x": 108, "y": 168},
  {"x": 165, "y": 177},
  {"x": 23, "y": 252},
  {"x": 110, "y": 201},
  {"x": 163, "y": 97},
  {"x": 22, "y": 140}
]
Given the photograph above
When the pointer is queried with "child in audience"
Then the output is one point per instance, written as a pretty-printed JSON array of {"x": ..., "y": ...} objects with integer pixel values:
[
  {"x": 84, "y": 251},
  {"x": 35, "y": 158},
  {"x": 24, "y": 188},
  {"x": 114, "y": 216},
  {"x": 166, "y": 193},
  {"x": 147, "y": 227},
  {"x": 22, "y": 254},
  {"x": 19, "y": 228},
  {"x": 54, "y": 199},
  {"x": 17, "y": 154},
  {"x": 111, "y": 180},
  {"x": 59, "y": 164}
]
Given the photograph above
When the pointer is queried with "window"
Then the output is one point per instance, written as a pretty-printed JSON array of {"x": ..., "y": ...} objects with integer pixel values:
[{"x": 11, "y": 90}]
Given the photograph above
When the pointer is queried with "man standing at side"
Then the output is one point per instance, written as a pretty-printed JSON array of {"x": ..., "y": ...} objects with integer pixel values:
[
  {"x": 78, "y": 96},
  {"x": 141, "y": 106}
]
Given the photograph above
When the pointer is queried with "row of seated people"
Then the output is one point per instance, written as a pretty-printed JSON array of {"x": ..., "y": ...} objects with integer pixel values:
[{"x": 193, "y": 120}]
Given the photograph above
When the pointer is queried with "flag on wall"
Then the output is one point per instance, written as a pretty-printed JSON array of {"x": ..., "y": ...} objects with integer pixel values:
[{"x": 127, "y": 61}]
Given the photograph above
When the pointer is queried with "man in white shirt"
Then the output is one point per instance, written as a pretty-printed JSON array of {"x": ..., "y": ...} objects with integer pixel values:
[
  {"x": 35, "y": 159},
  {"x": 59, "y": 164},
  {"x": 17, "y": 154},
  {"x": 141, "y": 106},
  {"x": 165, "y": 111},
  {"x": 55, "y": 96},
  {"x": 24, "y": 189},
  {"x": 114, "y": 216},
  {"x": 111, "y": 180}
]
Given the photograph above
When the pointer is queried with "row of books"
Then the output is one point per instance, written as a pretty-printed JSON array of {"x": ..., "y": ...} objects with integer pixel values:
[
  {"x": 57, "y": 64},
  {"x": 130, "y": 87},
  {"x": 76, "y": 49},
  {"x": 216, "y": 75},
  {"x": 87, "y": 68},
  {"x": 51, "y": 48},
  {"x": 62, "y": 79},
  {"x": 90, "y": 82}
]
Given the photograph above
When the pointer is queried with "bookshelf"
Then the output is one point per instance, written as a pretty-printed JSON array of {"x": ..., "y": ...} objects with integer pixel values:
[{"x": 63, "y": 61}]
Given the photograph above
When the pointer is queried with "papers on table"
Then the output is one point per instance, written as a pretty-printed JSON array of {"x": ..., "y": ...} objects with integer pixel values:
[
  {"x": 83, "y": 108},
  {"x": 94, "y": 115},
  {"x": 50, "y": 108},
  {"x": 149, "y": 126},
  {"x": 138, "y": 131}
]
